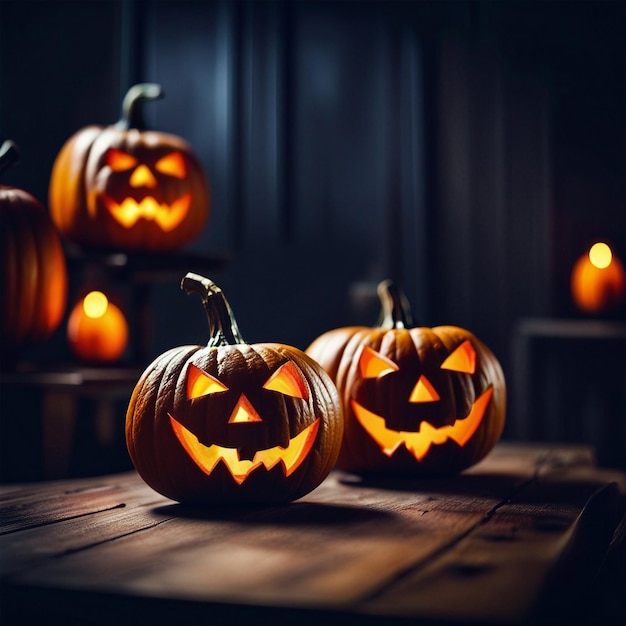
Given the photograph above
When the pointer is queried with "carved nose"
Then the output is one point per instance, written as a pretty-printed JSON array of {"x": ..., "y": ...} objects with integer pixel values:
[
  {"x": 143, "y": 177},
  {"x": 423, "y": 391},
  {"x": 244, "y": 412}
]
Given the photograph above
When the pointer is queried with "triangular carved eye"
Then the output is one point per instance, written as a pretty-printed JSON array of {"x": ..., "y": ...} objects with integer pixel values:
[
  {"x": 172, "y": 164},
  {"x": 462, "y": 359},
  {"x": 119, "y": 161},
  {"x": 372, "y": 364},
  {"x": 288, "y": 380},
  {"x": 200, "y": 383}
]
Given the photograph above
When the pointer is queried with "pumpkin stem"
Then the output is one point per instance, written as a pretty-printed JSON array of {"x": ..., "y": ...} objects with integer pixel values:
[
  {"x": 223, "y": 329},
  {"x": 396, "y": 311},
  {"x": 132, "y": 112},
  {"x": 9, "y": 155}
]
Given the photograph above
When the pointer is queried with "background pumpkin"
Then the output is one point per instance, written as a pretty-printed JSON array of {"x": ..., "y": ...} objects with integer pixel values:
[
  {"x": 33, "y": 269},
  {"x": 419, "y": 401},
  {"x": 123, "y": 187},
  {"x": 232, "y": 422}
]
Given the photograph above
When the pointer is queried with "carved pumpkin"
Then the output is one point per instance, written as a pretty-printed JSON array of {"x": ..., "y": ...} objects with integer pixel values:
[
  {"x": 122, "y": 187},
  {"x": 230, "y": 421},
  {"x": 33, "y": 269},
  {"x": 598, "y": 281},
  {"x": 97, "y": 330},
  {"x": 420, "y": 401}
]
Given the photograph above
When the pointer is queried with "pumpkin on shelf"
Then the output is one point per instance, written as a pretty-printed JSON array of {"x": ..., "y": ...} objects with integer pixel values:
[
  {"x": 122, "y": 187},
  {"x": 598, "y": 280},
  {"x": 33, "y": 271},
  {"x": 97, "y": 330},
  {"x": 417, "y": 401},
  {"x": 231, "y": 421}
]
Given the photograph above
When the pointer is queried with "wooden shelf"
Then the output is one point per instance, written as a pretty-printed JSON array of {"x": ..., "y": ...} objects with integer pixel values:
[{"x": 145, "y": 266}]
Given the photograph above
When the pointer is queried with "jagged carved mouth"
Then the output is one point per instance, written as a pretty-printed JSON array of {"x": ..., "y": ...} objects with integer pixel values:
[
  {"x": 207, "y": 457},
  {"x": 419, "y": 442},
  {"x": 167, "y": 216}
]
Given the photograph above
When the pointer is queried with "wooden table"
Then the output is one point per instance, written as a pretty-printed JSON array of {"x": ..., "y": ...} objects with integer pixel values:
[{"x": 526, "y": 536}]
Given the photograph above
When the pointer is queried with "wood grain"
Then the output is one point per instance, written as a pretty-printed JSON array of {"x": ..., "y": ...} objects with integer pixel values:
[{"x": 485, "y": 546}]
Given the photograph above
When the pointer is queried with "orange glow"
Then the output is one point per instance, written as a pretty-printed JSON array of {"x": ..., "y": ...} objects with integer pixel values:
[
  {"x": 129, "y": 211},
  {"x": 244, "y": 412},
  {"x": 418, "y": 443},
  {"x": 95, "y": 304},
  {"x": 600, "y": 255},
  {"x": 143, "y": 177},
  {"x": 207, "y": 457},
  {"x": 200, "y": 383},
  {"x": 97, "y": 329},
  {"x": 423, "y": 391},
  {"x": 598, "y": 280},
  {"x": 288, "y": 381},
  {"x": 172, "y": 164},
  {"x": 372, "y": 364},
  {"x": 463, "y": 359},
  {"x": 119, "y": 161}
]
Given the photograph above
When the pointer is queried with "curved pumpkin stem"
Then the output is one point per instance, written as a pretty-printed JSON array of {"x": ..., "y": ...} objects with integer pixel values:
[
  {"x": 9, "y": 155},
  {"x": 223, "y": 329},
  {"x": 396, "y": 311},
  {"x": 132, "y": 111}
]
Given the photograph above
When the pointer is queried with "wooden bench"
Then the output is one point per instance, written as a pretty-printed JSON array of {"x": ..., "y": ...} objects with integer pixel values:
[{"x": 529, "y": 535}]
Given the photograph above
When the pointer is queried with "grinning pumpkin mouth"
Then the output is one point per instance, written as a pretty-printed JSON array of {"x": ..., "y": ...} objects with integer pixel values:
[
  {"x": 419, "y": 442},
  {"x": 167, "y": 216},
  {"x": 207, "y": 457}
]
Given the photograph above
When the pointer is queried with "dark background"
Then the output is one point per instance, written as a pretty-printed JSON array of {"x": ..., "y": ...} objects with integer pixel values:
[{"x": 469, "y": 150}]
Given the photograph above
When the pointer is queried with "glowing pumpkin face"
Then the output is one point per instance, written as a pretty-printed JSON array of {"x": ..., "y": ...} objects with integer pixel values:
[
  {"x": 416, "y": 400},
  {"x": 144, "y": 185},
  {"x": 223, "y": 425},
  {"x": 124, "y": 187},
  {"x": 230, "y": 421}
]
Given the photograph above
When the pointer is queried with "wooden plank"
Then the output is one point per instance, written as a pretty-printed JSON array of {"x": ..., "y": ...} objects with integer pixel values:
[
  {"x": 364, "y": 549},
  {"x": 270, "y": 555},
  {"x": 498, "y": 573},
  {"x": 47, "y": 503}
]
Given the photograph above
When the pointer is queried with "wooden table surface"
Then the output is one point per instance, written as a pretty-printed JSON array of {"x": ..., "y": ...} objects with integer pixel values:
[{"x": 519, "y": 538}]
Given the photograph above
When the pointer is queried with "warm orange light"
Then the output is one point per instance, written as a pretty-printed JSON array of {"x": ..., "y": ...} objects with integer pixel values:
[
  {"x": 600, "y": 255},
  {"x": 423, "y": 391},
  {"x": 95, "y": 304},
  {"x": 207, "y": 457},
  {"x": 172, "y": 164},
  {"x": 168, "y": 217},
  {"x": 598, "y": 281},
  {"x": 97, "y": 330},
  {"x": 418, "y": 443},
  {"x": 143, "y": 177}
]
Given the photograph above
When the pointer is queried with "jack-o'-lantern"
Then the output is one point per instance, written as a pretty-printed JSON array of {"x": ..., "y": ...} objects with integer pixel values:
[
  {"x": 231, "y": 421},
  {"x": 598, "y": 281},
  {"x": 33, "y": 272},
  {"x": 97, "y": 330},
  {"x": 123, "y": 187},
  {"x": 417, "y": 401}
]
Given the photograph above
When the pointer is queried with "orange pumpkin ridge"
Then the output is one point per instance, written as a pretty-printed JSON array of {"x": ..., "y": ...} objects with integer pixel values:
[
  {"x": 231, "y": 421},
  {"x": 124, "y": 187},
  {"x": 417, "y": 401},
  {"x": 33, "y": 273}
]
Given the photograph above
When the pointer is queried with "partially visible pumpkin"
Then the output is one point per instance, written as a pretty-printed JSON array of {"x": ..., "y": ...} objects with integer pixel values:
[
  {"x": 417, "y": 401},
  {"x": 123, "y": 187},
  {"x": 33, "y": 272},
  {"x": 598, "y": 280},
  {"x": 231, "y": 421}
]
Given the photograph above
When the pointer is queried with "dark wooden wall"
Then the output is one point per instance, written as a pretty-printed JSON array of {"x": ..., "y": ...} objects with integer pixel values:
[{"x": 469, "y": 150}]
